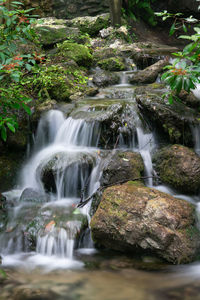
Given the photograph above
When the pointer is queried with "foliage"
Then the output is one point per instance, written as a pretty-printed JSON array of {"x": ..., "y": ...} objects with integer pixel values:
[
  {"x": 142, "y": 9},
  {"x": 183, "y": 73},
  {"x": 16, "y": 28}
]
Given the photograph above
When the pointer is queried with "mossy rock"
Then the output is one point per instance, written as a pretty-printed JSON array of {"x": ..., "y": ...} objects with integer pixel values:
[
  {"x": 179, "y": 167},
  {"x": 171, "y": 121},
  {"x": 90, "y": 25},
  {"x": 133, "y": 218},
  {"x": 79, "y": 53},
  {"x": 52, "y": 34},
  {"x": 112, "y": 64}
]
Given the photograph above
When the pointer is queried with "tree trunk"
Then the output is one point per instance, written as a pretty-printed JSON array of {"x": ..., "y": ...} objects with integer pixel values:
[{"x": 115, "y": 12}]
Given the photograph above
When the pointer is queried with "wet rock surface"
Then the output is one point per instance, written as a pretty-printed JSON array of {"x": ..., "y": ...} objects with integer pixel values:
[
  {"x": 133, "y": 218},
  {"x": 149, "y": 74},
  {"x": 121, "y": 166},
  {"x": 9, "y": 166},
  {"x": 103, "y": 78},
  {"x": 173, "y": 120},
  {"x": 179, "y": 167}
]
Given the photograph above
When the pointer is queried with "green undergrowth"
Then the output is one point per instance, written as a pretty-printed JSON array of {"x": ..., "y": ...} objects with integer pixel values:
[{"x": 55, "y": 82}]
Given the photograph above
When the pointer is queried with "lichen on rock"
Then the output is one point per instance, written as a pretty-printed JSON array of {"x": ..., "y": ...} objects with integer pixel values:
[{"x": 132, "y": 217}]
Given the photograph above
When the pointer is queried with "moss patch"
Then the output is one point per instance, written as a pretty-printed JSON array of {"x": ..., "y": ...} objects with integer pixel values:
[
  {"x": 79, "y": 53},
  {"x": 112, "y": 64}
]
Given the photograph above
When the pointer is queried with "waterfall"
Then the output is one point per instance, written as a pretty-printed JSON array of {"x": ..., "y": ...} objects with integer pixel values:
[{"x": 64, "y": 161}]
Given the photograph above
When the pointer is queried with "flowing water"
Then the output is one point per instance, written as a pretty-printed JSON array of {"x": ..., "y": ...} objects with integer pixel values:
[{"x": 45, "y": 228}]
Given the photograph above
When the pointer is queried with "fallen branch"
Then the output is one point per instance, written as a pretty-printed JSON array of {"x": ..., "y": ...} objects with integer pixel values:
[{"x": 82, "y": 203}]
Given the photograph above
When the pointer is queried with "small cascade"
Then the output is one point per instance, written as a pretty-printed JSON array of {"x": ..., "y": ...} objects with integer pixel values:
[
  {"x": 146, "y": 143},
  {"x": 196, "y": 138},
  {"x": 124, "y": 79}
]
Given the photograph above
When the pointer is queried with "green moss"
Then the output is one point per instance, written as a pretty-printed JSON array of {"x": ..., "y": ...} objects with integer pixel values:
[
  {"x": 136, "y": 183},
  {"x": 93, "y": 28},
  {"x": 50, "y": 35},
  {"x": 56, "y": 82},
  {"x": 112, "y": 64},
  {"x": 79, "y": 53}
]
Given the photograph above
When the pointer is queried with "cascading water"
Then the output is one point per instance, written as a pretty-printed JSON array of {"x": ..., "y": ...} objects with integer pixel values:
[
  {"x": 63, "y": 153},
  {"x": 65, "y": 165}
]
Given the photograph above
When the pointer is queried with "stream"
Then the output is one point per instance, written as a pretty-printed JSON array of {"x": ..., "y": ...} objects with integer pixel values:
[{"x": 47, "y": 249}]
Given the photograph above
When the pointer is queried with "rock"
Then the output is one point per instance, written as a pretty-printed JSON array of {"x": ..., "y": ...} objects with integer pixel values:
[
  {"x": 52, "y": 31},
  {"x": 31, "y": 195},
  {"x": 3, "y": 214},
  {"x": 103, "y": 78},
  {"x": 132, "y": 217},
  {"x": 149, "y": 74},
  {"x": 179, "y": 167},
  {"x": 79, "y": 53},
  {"x": 36, "y": 293},
  {"x": 174, "y": 120},
  {"x": 120, "y": 166},
  {"x": 112, "y": 64},
  {"x": 113, "y": 122},
  {"x": 90, "y": 25},
  {"x": 189, "y": 99},
  {"x": 111, "y": 34},
  {"x": 9, "y": 166},
  {"x": 104, "y": 53},
  {"x": 78, "y": 164},
  {"x": 143, "y": 54}
]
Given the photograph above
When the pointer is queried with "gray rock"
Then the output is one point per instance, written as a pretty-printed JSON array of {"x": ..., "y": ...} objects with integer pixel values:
[{"x": 173, "y": 120}]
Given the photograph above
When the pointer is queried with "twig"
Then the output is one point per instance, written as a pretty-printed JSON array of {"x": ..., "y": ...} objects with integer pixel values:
[{"x": 82, "y": 203}]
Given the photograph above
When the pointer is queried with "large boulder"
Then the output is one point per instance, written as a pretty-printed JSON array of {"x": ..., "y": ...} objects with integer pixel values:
[
  {"x": 149, "y": 74},
  {"x": 179, "y": 167},
  {"x": 132, "y": 217},
  {"x": 172, "y": 120}
]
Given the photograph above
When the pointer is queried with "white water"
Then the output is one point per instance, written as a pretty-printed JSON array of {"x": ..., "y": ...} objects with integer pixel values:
[{"x": 66, "y": 145}]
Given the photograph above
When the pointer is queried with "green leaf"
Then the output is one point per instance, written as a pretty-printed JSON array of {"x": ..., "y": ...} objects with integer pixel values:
[
  {"x": 184, "y": 28},
  {"x": 170, "y": 99},
  {"x": 172, "y": 29},
  {"x": 3, "y": 133},
  {"x": 27, "y": 108},
  {"x": 189, "y": 48},
  {"x": 28, "y": 67},
  {"x": 11, "y": 127}
]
